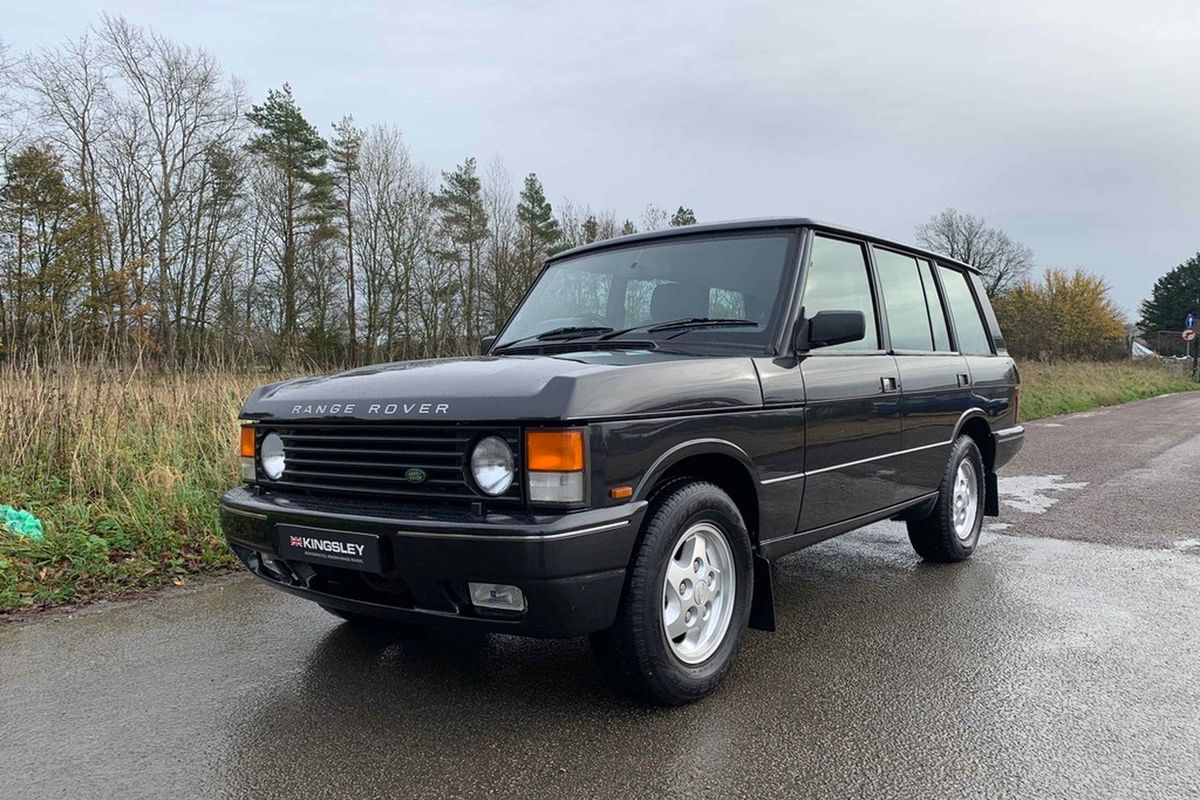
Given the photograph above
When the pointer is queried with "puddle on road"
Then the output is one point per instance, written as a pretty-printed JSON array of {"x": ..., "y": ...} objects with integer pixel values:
[{"x": 1034, "y": 494}]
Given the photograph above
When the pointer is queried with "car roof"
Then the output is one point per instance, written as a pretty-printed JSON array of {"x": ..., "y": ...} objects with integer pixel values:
[{"x": 749, "y": 225}]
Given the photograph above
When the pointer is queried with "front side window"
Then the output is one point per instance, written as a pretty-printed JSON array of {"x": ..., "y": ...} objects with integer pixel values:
[
  {"x": 736, "y": 277},
  {"x": 836, "y": 280},
  {"x": 968, "y": 325},
  {"x": 904, "y": 300}
]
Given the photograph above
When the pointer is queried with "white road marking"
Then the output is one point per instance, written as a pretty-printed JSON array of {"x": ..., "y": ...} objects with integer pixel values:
[
  {"x": 1034, "y": 494},
  {"x": 1053, "y": 425},
  {"x": 1187, "y": 545}
]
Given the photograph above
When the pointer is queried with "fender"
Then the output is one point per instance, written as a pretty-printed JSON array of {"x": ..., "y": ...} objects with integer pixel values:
[
  {"x": 694, "y": 447},
  {"x": 969, "y": 414},
  {"x": 991, "y": 495},
  {"x": 762, "y": 602}
]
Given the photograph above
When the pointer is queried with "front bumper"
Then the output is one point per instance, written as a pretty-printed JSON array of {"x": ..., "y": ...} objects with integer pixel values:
[{"x": 571, "y": 566}]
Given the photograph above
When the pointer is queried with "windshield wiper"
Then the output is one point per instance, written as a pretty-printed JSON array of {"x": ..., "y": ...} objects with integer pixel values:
[
  {"x": 556, "y": 333},
  {"x": 683, "y": 325}
]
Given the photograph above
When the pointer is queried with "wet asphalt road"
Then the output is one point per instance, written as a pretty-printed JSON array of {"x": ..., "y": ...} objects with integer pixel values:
[{"x": 1062, "y": 661}]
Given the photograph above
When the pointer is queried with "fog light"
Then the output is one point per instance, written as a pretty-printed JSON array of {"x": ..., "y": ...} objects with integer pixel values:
[{"x": 497, "y": 596}]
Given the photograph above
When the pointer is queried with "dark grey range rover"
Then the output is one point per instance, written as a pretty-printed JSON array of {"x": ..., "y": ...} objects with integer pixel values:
[{"x": 664, "y": 415}]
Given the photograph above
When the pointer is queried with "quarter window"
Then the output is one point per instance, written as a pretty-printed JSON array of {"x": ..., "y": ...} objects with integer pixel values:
[
  {"x": 968, "y": 325},
  {"x": 837, "y": 280},
  {"x": 904, "y": 299}
]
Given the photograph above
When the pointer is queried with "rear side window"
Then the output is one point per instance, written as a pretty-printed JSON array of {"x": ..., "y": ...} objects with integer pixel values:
[
  {"x": 837, "y": 280},
  {"x": 937, "y": 316},
  {"x": 968, "y": 325},
  {"x": 904, "y": 300}
]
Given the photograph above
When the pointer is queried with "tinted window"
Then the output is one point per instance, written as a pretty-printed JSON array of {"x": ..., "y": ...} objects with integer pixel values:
[
  {"x": 837, "y": 281},
  {"x": 937, "y": 316},
  {"x": 736, "y": 275},
  {"x": 968, "y": 325},
  {"x": 904, "y": 300}
]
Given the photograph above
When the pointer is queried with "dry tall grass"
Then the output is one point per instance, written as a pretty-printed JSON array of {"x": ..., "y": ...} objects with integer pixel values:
[{"x": 123, "y": 468}]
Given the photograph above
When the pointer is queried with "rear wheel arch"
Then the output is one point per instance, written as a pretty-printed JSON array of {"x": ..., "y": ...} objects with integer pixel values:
[{"x": 975, "y": 424}]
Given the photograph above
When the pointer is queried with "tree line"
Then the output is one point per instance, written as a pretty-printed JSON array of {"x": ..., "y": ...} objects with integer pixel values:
[{"x": 149, "y": 210}]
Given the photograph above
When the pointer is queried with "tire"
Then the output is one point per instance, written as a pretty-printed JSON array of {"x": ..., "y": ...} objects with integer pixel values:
[
  {"x": 950, "y": 533},
  {"x": 636, "y": 653}
]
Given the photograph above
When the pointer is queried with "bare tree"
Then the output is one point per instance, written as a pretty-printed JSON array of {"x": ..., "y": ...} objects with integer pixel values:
[
  {"x": 655, "y": 218},
  {"x": 1004, "y": 262},
  {"x": 71, "y": 95},
  {"x": 8, "y": 101},
  {"x": 503, "y": 283},
  {"x": 188, "y": 106}
]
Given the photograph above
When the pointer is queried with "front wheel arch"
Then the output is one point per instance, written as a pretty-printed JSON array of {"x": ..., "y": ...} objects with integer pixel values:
[{"x": 714, "y": 460}]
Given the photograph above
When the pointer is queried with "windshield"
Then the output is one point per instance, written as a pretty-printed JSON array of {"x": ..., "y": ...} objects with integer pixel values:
[{"x": 735, "y": 277}]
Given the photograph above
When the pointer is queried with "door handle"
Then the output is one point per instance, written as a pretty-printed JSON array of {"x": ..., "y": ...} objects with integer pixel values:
[
  {"x": 889, "y": 384},
  {"x": 964, "y": 379}
]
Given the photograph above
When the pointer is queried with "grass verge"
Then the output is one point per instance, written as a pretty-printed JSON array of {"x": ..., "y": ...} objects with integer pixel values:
[{"x": 1051, "y": 389}]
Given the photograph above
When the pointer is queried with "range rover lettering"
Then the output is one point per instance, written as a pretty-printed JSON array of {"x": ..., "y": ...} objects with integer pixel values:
[{"x": 663, "y": 416}]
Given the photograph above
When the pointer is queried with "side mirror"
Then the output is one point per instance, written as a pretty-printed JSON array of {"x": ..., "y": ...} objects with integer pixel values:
[
  {"x": 828, "y": 328},
  {"x": 485, "y": 344}
]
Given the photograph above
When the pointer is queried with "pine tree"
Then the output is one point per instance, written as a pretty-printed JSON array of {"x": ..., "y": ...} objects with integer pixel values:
[
  {"x": 591, "y": 230},
  {"x": 683, "y": 216},
  {"x": 628, "y": 228},
  {"x": 344, "y": 151},
  {"x": 298, "y": 155},
  {"x": 49, "y": 231},
  {"x": 464, "y": 224},
  {"x": 539, "y": 229},
  {"x": 1175, "y": 295}
]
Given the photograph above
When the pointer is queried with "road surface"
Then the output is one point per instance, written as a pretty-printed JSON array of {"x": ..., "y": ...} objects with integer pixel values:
[{"x": 1062, "y": 661}]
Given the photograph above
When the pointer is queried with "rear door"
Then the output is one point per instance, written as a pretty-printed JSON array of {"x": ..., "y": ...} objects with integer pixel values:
[
  {"x": 852, "y": 416},
  {"x": 992, "y": 373},
  {"x": 933, "y": 377}
]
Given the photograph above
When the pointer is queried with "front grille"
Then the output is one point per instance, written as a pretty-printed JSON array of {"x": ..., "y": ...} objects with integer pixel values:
[{"x": 377, "y": 460}]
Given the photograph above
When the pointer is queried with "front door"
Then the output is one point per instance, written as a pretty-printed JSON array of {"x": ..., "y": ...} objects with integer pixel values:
[{"x": 852, "y": 413}]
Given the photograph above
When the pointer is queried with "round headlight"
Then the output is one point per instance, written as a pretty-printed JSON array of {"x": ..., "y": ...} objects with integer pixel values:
[
  {"x": 270, "y": 455},
  {"x": 492, "y": 465}
]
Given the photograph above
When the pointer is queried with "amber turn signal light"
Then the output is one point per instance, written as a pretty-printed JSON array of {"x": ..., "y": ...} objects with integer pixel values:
[
  {"x": 621, "y": 492},
  {"x": 554, "y": 451},
  {"x": 247, "y": 441}
]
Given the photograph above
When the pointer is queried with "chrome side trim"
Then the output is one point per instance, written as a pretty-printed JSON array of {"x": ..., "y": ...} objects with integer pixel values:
[
  {"x": 515, "y": 537},
  {"x": 782, "y": 478},
  {"x": 856, "y": 463},
  {"x": 242, "y": 513}
]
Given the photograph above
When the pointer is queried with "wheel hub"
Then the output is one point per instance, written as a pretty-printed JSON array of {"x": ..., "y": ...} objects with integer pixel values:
[
  {"x": 966, "y": 500},
  {"x": 698, "y": 593}
]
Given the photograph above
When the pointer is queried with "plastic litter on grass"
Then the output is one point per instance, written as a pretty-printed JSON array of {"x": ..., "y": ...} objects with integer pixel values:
[{"x": 22, "y": 523}]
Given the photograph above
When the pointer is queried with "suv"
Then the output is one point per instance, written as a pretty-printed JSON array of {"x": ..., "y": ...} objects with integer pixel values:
[{"x": 662, "y": 416}]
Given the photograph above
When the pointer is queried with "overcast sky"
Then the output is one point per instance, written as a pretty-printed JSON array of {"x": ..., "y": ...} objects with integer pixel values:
[{"x": 1075, "y": 126}]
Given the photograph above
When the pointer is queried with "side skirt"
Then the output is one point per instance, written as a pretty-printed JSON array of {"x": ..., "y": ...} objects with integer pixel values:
[{"x": 782, "y": 545}]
